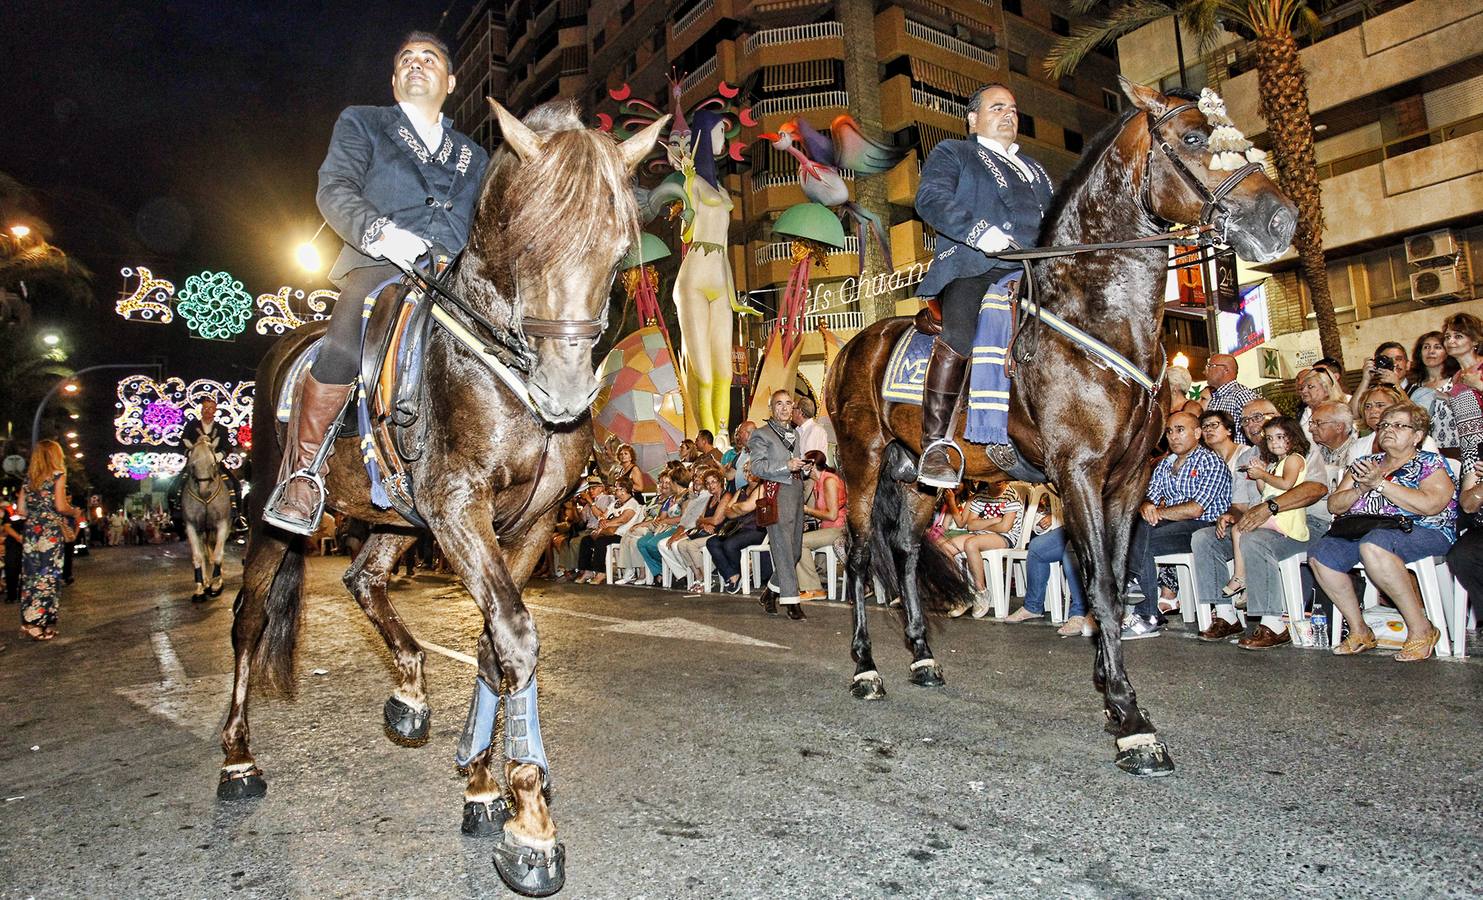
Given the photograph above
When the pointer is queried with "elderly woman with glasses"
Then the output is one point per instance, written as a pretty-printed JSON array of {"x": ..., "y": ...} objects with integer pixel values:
[
  {"x": 1402, "y": 480},
  {"x": 1317, "y": 386},
  {"x": 1373, "y": 404}
]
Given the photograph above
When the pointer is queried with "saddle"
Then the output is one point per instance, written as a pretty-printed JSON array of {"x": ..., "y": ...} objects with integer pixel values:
[{"x": 392, "y": 427}]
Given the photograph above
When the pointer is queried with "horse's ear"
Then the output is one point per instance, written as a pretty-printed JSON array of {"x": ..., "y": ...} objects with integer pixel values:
[
  {"x": 1144, "y": 97},
  {"x": 637, "y": 147},
  {"x": 521, "y": 139}
]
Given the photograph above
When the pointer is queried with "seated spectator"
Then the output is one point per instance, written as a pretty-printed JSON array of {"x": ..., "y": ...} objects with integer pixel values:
[
  {"x": 1181, "y": 397},
  {"x": 667, "y": 522},
  {"x": 1462, "y": 335},
  {"x": 1190, "y": 488},
  {"x": 1335, "y": 370},
  {"x": 564, "y": 538},
  {"x": 1431, "y": 369},
  {"x": 696, "y": 502},
  {"x": 737, "y": 533},
  {"x": 688, "y": 453},
  {"x": 661, "y": 514},
  {"x": 1048, "y": 545},
  {"x": 688, "y": 550},
  {"x": 1332, "y": 427},
  {"x": 824, "y": 504},
  {"x": 628, "y": 470},
  {"x": 734, "y": 460},
  {"x": 1389, "y": 367},
  {"x": 706, "y": 450},
  {"x": 1317, "y": 386},
  {"x": 1466, "y": 556},
  {"x": 1281, "y": 464},
  {"x": 990, "y": 521},
  {"x": 1224, "y": 391},
  {"x": 1401, "y": 480},
  {"x": 1374, "y": 403},
  {"x": 622, "y": 514}
]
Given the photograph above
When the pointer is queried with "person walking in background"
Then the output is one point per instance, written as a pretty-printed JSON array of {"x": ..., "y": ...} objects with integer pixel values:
[
  {"x": 44, "y": 504},
  {"x": 14, "y": 526},
  {"x": 774, "y": 449}
]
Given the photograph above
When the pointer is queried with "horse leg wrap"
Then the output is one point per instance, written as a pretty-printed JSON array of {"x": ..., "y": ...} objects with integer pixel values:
[
  {"x": 199, "y": 579},
  {"x": 1137, "y": 740},
  {"x": 215, "y": 571},
  {"x": 478, "y": 729},
  {"x": 927, "y": 663},
  {"x": 523, "y": 729}
]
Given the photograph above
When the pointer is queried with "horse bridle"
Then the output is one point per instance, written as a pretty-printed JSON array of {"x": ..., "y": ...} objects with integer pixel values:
[{"x": 1214, "y": 211}]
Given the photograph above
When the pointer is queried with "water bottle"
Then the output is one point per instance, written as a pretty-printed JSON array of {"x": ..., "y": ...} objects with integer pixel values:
[{"x": 1320, "y": 622}]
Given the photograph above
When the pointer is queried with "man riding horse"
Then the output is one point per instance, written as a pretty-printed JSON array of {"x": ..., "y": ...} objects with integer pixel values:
[
  {"x": 205, "y": 429},
  {"x": 981, "y": 196},
  {"x": 397, "y": 180}
]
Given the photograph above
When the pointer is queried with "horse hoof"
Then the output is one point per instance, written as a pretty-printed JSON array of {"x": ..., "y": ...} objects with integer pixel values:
[
  {"x": 534, "y": 873},
  {"x": 1149, "y": 760},
  {"x": 242, "y": 784},
  {"x": 868, "y": 689},
  {"x": 927, "y": 676},
  {"x": 405, "y": 725},
  {"x": 199, "y": 598},
  {"x": 485, "y": 819},
  {"x": 214, "y": 592}
]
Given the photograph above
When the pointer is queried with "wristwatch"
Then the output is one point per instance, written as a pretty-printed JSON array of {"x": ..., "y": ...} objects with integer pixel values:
[{"x": 1272, "y": 506}]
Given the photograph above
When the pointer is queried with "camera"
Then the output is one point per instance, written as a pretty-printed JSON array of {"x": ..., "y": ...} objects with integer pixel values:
[{"x": 1385, "y": 362}]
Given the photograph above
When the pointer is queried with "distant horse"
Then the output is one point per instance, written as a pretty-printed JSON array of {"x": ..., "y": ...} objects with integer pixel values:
[
  {"x": 206, "y": 509},
  {"x": 554, "y": 217},
  {"x": 1088, "y": 429}
]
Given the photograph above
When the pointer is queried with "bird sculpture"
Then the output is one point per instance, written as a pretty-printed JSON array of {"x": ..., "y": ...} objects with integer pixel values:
[{"x": 820, "y": 159}]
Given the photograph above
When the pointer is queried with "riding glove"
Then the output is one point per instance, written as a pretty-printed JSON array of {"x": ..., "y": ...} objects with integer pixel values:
[
  {"x": 993, "y": 240},
  {"x": 399, "y": 246}
]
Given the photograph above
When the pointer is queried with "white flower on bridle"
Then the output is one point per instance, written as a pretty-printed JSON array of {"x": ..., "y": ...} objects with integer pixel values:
[{"x": 1229, "y": 148}]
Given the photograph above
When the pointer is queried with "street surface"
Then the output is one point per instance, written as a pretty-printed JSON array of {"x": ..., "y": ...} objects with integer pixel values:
[{"x": 701, "y": 749}]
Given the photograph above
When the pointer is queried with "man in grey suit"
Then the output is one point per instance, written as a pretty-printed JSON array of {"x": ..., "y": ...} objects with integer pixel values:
[
  {"x": 774, "y": 451},
  {"x": 396, "y": 180},
  {"x": 980, "y": 195}
]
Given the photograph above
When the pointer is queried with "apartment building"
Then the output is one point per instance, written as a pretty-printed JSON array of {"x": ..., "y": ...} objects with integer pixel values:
[{"x": 1396, "y": 93}]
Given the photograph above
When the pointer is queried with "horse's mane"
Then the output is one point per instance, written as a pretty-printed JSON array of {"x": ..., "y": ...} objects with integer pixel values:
[
  {"x": 553, "y": 209},
  {"x": 1091, "y": 157}
]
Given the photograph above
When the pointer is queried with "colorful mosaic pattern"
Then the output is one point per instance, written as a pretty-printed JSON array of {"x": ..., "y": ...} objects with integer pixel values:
[{"x": 639, "y": 400}]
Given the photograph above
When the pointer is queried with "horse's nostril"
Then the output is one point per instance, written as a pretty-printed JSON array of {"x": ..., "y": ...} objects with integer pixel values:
[{"x": 1284, "y": 221}]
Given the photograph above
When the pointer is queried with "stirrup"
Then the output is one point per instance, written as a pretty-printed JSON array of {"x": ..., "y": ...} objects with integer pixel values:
[
  {"x": 946, "y": 444},
  {"x": 296, "y": 526}
]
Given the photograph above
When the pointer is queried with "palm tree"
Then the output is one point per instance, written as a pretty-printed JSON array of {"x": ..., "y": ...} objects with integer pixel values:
[
  {"x": 1282, "y": 87},
  {"x": 26, "y": 374}
]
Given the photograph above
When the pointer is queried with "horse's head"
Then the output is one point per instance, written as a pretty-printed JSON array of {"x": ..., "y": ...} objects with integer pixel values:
[
  {"x": 555, "y": 217},
  {"x": 1202, "y": 170},
  {"x": 200, "y": 462}
]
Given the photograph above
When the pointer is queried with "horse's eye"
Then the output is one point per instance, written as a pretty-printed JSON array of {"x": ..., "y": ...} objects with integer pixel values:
[{"x": 1194, "y": 139}]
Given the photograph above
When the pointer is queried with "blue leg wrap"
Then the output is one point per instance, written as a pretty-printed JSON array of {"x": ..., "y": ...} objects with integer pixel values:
[
  {"x": 478, "y": 729},
  {"x": 523, "y": 728}
]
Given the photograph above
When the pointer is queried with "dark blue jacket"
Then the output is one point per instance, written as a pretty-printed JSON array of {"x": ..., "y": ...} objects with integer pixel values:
[
  {"x": 377, "y": 171},
  {"x": 965, "y": 189}
]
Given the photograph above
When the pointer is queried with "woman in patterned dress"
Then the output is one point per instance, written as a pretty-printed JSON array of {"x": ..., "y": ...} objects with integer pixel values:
[{"x": 44, "y": 503}]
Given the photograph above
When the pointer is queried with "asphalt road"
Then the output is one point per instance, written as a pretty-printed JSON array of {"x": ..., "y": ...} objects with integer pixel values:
[{"x": 701, "y": 749}]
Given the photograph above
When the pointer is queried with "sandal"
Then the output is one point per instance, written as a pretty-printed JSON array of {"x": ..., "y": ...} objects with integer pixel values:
[
  {"x": 1419, "y": 648},
  {"x": 1356, "y": 644},
  {"x": 37, "y": 633},
  {"x": 1234, "y": 588}
]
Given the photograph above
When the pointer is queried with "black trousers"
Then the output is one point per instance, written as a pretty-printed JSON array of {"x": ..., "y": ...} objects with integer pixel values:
[
  {"x": 960, "y": 300},
  {"x": 13, "y": 563},
  {"x": 339, "y": 356},
  {"x": 1465, "y": 559}
]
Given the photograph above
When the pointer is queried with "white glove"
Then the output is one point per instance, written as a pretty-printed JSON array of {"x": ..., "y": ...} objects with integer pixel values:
[
  {"x": 399, "y": 246},
  {"x": 993, "y": 240}
]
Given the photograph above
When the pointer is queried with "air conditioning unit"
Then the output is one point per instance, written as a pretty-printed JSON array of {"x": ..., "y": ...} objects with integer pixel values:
[
  {"x": 1429, "y": 246},
  {"x": 1440, "y": 283}
]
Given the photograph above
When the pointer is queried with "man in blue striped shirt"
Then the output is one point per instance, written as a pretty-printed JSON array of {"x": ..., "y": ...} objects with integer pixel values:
[
  {"x": 1189, "y": 489},
  {"x": 1226, "y": 393}
]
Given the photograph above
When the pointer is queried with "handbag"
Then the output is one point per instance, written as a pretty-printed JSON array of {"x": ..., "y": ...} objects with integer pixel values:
[
  {"x": 1354, "y": 526},
  {"x": 69, "y": 530},
  {"x": 767, "y": 504}
]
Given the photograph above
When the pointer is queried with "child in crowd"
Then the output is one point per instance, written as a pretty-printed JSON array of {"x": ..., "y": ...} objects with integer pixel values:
[{"x": 1283, "y": 462}]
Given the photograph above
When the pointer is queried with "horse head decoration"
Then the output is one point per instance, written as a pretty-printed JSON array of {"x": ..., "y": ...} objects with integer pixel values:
[
  {"x": 1088, "y": 424},
  {"x": 554, "y": 218}
]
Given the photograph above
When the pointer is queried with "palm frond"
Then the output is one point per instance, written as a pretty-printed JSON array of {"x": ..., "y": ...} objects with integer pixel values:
[{"x": 1068, "y": 52}]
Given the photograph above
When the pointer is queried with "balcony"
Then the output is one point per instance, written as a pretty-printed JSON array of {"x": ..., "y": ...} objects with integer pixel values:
[
  {"x": 776, "y": 46},
  {"x": 783, "y": 251},
  {"x": 902, "y": 105},
  {"x": 902, "y": 181},
  {"x": 896, "y": 35},
  {"x": 698, "y": 21},
  {"x": 689, "y": 19},
  {"x": 776, "y": 191},
  {"x": 773, "y": 263},
  {"x": 706, "y": 74},
  {"x": 788, "y": 107}
]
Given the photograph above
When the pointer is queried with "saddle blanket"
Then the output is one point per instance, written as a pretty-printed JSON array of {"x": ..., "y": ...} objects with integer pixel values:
[{"x": 988, "y": 382}]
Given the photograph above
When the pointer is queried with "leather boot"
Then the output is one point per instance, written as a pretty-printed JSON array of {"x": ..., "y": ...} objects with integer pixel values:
[
  {"x": 941, "y": 464},
  {"x": 296, "y": 507}
]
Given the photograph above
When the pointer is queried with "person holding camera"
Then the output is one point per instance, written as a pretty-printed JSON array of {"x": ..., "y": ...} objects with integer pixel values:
[
  {"x": 775, "y": 459},
  {"x": 1389, "y": 367}
]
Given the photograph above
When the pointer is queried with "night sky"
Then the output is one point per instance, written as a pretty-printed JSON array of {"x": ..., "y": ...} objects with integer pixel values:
[{"x": 186, "y": 136}]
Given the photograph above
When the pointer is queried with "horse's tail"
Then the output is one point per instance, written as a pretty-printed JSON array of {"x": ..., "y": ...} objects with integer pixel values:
[{"x": 893, "y": 534}]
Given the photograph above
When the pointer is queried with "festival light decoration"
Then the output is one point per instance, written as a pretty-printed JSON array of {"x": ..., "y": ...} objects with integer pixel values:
[
  {"x": 146, "y": 464},
  {"x": 137, "y": 393},
  {"x": 159, "y": 417},
  {"x": 150, "y": 299},
  {"x": 276, "y": 312},
  {"x": 244, "y": 437},
  {"x": 214, "y": 305}
]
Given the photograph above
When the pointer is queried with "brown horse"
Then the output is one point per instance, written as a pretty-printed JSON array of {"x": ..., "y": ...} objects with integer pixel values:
[
  {"x": 554, "y": 217},
  {"x": 1089, "y": 431}
]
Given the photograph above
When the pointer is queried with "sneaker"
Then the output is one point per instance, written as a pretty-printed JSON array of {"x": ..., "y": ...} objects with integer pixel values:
[
  {"x": 625, "y": 578},
  {"x": 1138, "y": 627},
  {"x": 812, "y": 595},
  {"x": 732, "y": 587},
  {"x": 1072, "y": 627}
]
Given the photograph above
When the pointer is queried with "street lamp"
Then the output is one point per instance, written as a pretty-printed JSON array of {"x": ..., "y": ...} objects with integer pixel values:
[
  {"x": 70, "y": 388},
  {"x": 72, "y": 435},
  {"x": 308, "y": 255},
  {"x": 51, "y": 339}
]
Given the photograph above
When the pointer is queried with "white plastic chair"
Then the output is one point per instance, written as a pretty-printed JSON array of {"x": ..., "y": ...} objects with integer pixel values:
[
  {"x": 1189, "y": 607},
  {"x": 831, "y": 570},
  {"x": 751, "y": 565},
  {"x": 997, "y": 562},
  {"x": 1437, "y": 600}
]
